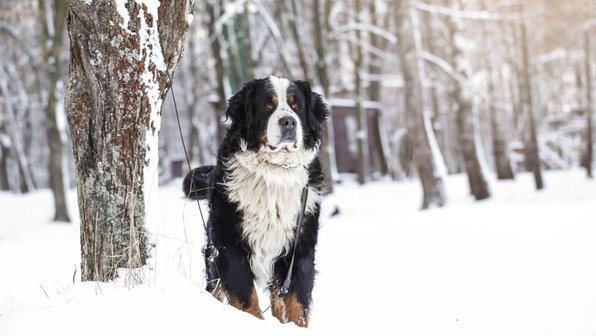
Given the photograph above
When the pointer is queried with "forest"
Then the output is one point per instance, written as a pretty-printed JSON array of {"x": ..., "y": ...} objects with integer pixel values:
[
  {"x": 416, "y": 89},
  {"x": 478, "y": 112}
]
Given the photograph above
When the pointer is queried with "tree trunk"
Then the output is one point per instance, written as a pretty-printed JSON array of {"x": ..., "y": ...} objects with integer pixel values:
[
  {"x": 4, "y": 154},
  {"x": 465, "y": 119},
  {"x": 589, "y": 102},
  {"x": 499, "y": 142},
  {"x": 17, "y": 151},
  {"x": 360, "y": 115},
  {"x": 122, "y": 61},
  {"x": 426, "y": 164},
  {"x": 290, "y": 7},
  {"x": 195, "y": 145},
  {"x": 215, "y": 46},
  {"x": 328, "y": 143},
  {"x": 374, "y": 93},
  {"x": 53, "y": 18},
  {"x": 531, "y": 141}
]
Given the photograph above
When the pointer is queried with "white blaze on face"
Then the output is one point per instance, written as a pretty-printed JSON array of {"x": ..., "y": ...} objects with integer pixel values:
[{"x": 283, "y": 109}]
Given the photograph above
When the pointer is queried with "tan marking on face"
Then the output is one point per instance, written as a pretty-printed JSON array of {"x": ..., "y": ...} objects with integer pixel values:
[
  {"x": 275, "y": 101},
  {"x": 263, "y": 138},
  {"x": 291, "y": 99}
]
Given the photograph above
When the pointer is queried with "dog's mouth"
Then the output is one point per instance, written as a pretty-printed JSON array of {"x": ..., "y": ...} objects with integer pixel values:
[{"x": 289, "y": 146}]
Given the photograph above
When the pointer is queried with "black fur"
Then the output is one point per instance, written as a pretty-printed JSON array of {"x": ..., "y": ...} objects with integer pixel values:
[
  {"x": 227, "y": 254},
  {"x": 198, "y": 183}
]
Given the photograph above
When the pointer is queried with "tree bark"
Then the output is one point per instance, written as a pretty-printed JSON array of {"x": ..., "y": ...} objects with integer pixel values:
[
  {"x": 499, "y": 142},
  {"x": 290, "y": 7},
  {"x": 53, "y": 17},
  {"x": 374, "y": 93},
  {"x": 4, "y": 154},
  {"x": 500, "y": 150},
  {"x": 122, "y": 62},
  {"x": 215, "y": 46},
  {"x": 328, "y": 143},
  {"x": 360, "y": 115},
  {"x": 531, "y": 141},
  {"x": 425, "y": 162},
  {"x": 589, "y": 107},
  {"x": 460, "y": 96},
  {"x": 17, "y": 151}
]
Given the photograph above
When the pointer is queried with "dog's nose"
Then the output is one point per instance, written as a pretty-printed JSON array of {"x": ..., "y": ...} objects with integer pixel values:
[{"x": 287, "y": 123}]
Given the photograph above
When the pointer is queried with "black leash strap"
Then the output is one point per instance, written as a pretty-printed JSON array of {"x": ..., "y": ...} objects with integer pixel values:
[{"x": 286, "y": 285}]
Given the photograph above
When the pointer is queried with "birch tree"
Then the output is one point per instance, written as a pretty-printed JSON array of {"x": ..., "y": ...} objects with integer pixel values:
[
  {"x": 360, "y": 115},
  {"x": 123, "y": 56}
]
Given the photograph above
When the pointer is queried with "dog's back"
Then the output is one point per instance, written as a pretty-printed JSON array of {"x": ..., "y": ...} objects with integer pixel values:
[{"x": 198, "y": 183}]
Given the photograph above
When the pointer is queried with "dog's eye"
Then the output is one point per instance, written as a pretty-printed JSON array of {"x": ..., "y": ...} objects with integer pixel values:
[{"x": 269, "y": 106}]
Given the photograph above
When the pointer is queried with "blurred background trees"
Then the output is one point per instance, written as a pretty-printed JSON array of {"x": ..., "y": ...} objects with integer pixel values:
[{"x": 417, "y": 89}]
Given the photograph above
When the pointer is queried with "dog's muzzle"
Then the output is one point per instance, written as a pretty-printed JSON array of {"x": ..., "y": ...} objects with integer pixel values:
[{"x": 287, "y": 127}]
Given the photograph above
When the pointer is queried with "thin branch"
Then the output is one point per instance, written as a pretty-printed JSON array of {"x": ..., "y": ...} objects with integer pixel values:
[
  {"x": 367, "y": 28},
  {"x": 362, "y": 44},
  {"x": 443, "y": 65},
  {"x": 466, "y": 14}
]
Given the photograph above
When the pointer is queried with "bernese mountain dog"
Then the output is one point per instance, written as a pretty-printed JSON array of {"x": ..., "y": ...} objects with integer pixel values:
[{"x": 267, "y": 180}]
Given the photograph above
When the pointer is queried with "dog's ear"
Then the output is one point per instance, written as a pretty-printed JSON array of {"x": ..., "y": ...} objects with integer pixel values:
[
  {"x": 240, "y": 105},
  {"x": 315, "y": 107}
]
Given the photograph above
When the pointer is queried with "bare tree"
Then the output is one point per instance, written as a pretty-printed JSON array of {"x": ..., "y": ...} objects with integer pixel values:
[
  {"x": 360, "y": 115},
  {"x": 213, "y": 9},
  {"x": 461, "y": 98},
  {"x": 53, "y": 18},
  {"x": 322, "y": 71},
  {"x": 531, "y": 141},
  {"x": 418, "y": 128},
  {"x": 123, "y": 55},
  {"x": 589, "y": 139}
]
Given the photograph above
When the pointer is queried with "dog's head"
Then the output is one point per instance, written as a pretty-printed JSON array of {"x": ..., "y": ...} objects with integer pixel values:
[{"x": 277, "y": 114}]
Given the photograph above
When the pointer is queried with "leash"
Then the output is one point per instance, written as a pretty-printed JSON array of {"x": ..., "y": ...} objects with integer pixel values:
[
  {"x": 299, "y": 221},
  {"x": 209, "y": 245},
  {"x": 184, "y": 146}
]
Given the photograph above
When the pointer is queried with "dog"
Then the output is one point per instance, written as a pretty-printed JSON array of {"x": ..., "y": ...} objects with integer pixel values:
[{"x": 267, "y": 163}]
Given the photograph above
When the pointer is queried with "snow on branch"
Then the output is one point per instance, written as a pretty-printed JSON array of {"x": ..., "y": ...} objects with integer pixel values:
[
  {"x": 465, "y": 14},
  {"x": 444, "y": 65},
  {"x": 367, "y": 47},
  {"x": 367, "y": 28}
]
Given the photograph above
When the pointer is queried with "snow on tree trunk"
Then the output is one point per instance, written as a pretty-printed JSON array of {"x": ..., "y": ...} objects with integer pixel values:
[
  {"x": 123, "y": 56},
  {"x": 360, "y": 113},
  {"x": 461, "y": 97},
  {"x": 427, "y": 164}
]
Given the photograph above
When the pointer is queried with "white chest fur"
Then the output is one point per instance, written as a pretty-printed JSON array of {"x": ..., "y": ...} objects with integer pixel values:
[{"x": 269, "y": 197}]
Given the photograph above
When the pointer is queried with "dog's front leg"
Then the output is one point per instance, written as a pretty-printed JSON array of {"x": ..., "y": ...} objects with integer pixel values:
[
  {"x": 230, "y": 278},
  {"x": 294, "y": 306}
]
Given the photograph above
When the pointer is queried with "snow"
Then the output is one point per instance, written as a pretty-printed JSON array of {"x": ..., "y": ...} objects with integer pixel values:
[
  {"x": 150, "y": 47},
  {"x": 123, "y": 11},
  {"x": 520, "y": 263}
]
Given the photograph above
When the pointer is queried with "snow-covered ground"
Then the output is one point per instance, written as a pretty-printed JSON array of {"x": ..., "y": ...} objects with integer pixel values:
[{"x": 521, "y": 263}]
